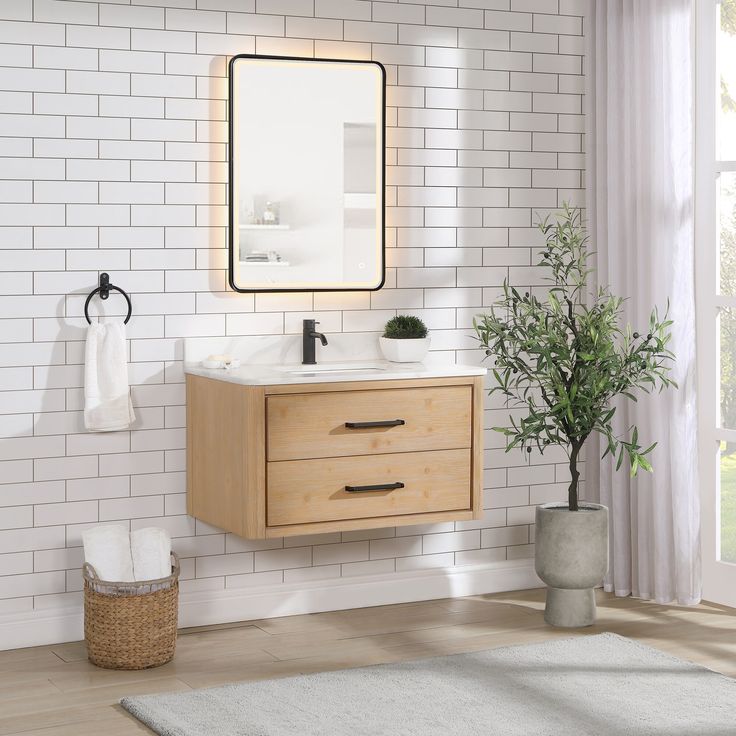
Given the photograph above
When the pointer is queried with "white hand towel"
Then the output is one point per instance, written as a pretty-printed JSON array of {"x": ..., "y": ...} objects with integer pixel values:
[
  {"x": 107, "y": 405},
  {"x": 107, "y": 549},
  {"x": 151, "y": 552}
]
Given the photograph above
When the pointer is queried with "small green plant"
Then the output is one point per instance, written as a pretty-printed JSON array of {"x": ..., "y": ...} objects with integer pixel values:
[
  {"x": 566, "y": 358},
  {"x": 405, "y": 327}
]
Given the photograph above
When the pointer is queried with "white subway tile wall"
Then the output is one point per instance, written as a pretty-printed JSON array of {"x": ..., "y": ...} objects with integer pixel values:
[{"x": 114, "y": 146}]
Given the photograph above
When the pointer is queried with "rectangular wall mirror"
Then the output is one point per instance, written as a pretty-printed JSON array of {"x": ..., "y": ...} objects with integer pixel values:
[{"x": 307, "y": 166}]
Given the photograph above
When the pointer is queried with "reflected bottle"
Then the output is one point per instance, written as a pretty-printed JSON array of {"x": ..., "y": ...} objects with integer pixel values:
[{"x": 269, "y": 215}]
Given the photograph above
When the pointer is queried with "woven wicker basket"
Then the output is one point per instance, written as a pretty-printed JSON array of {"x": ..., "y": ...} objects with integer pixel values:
[{"x": 130, "y": 626}]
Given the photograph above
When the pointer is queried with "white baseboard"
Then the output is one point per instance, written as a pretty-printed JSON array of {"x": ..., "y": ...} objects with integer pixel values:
[{"x": 227, "y": 606}]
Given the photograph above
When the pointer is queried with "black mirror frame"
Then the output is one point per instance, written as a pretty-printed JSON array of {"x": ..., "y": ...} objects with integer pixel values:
[{"x": 231, "y": 169}]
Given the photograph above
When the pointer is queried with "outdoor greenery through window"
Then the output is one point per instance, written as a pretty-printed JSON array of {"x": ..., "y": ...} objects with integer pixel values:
[{"x": 726, "y": 197}]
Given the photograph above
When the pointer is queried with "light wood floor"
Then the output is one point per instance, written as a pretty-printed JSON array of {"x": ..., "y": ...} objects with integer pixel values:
[{"x": 54, "y": 691}]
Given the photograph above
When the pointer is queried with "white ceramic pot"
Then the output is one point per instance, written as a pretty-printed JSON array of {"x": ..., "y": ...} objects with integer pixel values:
[
  {"x": 571, "y": 556},
  {"x": 412, "y": 350}
]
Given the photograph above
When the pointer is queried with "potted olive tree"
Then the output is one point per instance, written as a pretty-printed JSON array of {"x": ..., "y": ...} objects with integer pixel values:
[
  {"x": 404, "y": 339},
  {"x": 561, "y": 359}
]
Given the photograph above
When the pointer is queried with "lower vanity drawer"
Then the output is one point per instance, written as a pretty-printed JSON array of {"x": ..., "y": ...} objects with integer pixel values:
[{"x": 330, "y": 489}]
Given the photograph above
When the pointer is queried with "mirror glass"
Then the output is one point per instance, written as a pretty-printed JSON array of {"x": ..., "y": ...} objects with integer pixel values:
[{"x": 306, "y": 174}]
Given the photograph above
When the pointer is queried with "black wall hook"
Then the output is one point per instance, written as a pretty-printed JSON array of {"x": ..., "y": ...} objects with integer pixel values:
[
  {"x": 104, "y": 287},
  {"x": 104, "y": 291}
]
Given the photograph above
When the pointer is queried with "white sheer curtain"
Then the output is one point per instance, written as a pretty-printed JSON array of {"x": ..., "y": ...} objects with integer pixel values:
[{"x": 640, "y": 213}]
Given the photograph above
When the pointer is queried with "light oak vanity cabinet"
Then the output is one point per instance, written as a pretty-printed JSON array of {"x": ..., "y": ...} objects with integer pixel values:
[{"x": 278, "y": 460}]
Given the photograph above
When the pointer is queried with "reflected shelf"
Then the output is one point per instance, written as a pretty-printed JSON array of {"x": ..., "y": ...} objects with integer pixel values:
[
  {"x": 260, "y": 264},
  {"x": 265, "y": 227}
]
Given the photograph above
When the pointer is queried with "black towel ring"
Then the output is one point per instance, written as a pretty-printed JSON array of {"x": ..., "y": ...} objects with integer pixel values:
[{"x": 104, "y": 291}]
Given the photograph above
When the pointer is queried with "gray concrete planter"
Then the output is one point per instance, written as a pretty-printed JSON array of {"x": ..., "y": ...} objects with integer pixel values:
[{"x": 571, "y": 556}]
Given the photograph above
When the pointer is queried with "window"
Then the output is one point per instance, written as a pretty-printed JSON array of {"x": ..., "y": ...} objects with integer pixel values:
[
  {"x": 726, "y": 262},
  {"x": 716, "y": 290}
]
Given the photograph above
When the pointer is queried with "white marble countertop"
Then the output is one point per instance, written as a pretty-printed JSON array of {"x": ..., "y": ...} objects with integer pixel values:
[{"x": 326, "y": 372}]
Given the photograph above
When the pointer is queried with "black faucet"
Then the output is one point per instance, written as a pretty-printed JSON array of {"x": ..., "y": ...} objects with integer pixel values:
[{"x": 309, "y": 335}]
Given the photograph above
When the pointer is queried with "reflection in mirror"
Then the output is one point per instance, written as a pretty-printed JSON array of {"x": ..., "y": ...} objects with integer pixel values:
[
  {"x": 359, "y": 199},
  {"x": 306, "y": 174}
]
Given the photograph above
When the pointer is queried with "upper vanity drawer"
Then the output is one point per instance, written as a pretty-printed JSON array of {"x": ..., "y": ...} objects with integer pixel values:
[{"x": 335, "y": 424}]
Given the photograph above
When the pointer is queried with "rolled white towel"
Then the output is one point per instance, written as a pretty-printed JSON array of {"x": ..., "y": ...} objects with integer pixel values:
[
  {"x": 151, "y": 552},
  {"x": 107, "y": 549}
]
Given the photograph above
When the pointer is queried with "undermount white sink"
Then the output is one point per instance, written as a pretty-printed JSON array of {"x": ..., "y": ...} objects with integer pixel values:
[{"x": 306, "y": 370}]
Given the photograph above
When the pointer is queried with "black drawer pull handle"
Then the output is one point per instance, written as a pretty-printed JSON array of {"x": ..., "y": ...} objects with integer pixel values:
[
  {"x": 379, "y": 487},
  {"x": 372, "y": 425}
]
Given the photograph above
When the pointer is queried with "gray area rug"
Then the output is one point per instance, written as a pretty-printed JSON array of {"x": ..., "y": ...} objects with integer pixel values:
[{"x": 602, "y": 684}]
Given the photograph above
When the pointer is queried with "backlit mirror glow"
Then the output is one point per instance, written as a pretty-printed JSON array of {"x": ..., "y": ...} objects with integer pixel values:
[{"x": 307, "y": 174}]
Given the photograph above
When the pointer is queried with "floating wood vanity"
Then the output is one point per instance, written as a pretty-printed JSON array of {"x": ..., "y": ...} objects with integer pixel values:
[{"x": 271, "y": 457}]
